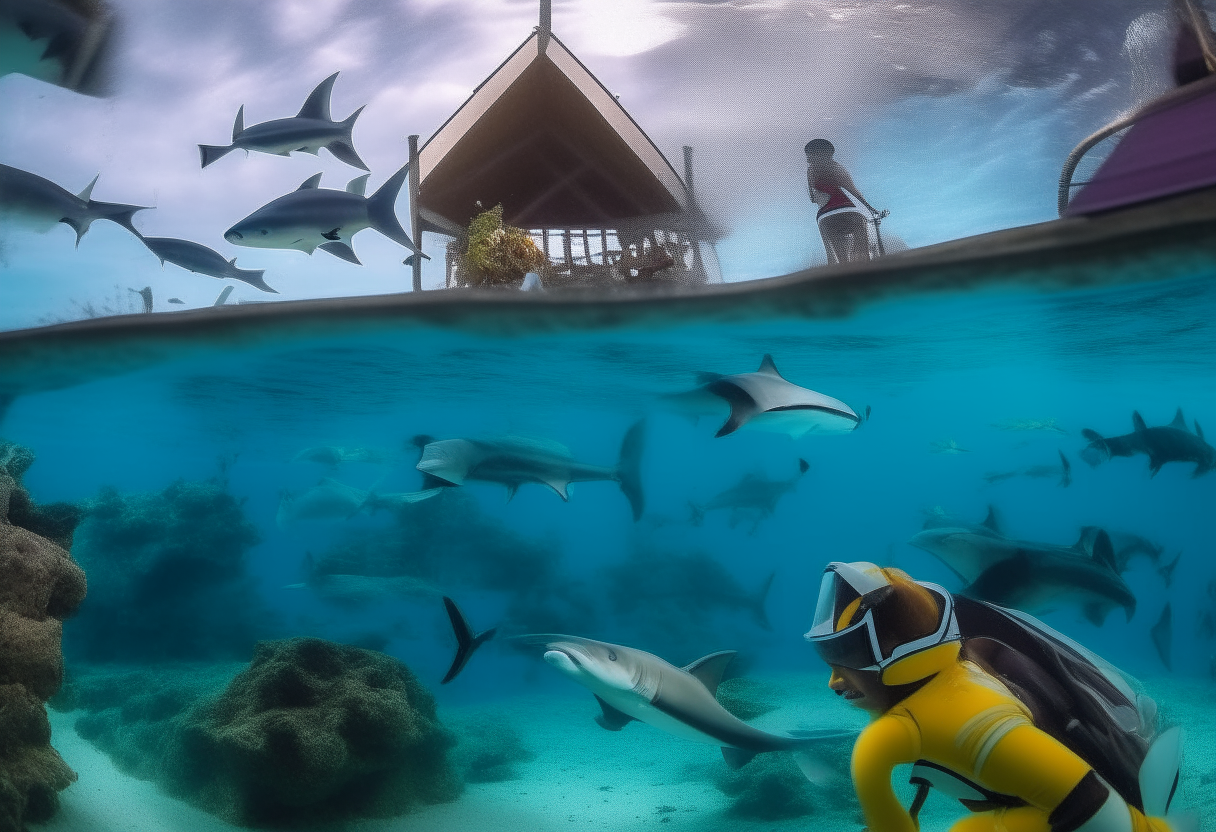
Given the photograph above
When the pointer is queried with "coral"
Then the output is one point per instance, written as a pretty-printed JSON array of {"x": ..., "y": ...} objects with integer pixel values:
[
  {"x": 40, "y": 586},
  {"x": 772, "y": 787},
  {"x": 54, "y": 521},
  {"x": 168, "y": 576},
  {"x": 488, "y": 749},
  {"x": 499, "y": 254}
]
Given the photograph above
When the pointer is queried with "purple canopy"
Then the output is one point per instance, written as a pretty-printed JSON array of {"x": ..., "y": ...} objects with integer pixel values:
[{"x": 1166, "y": 152}]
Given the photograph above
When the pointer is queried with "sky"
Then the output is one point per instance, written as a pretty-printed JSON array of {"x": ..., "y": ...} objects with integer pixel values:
[{"x": 954, "y": 115}]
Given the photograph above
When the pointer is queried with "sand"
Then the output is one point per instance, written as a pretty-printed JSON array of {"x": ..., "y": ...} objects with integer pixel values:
[{"x": 587, "y": 778}]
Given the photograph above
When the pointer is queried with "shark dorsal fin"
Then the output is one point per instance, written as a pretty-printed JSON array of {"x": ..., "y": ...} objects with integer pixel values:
[
  {"x": 991, "y": 523},
  {"x": 708, "y": 670},
  {"x": 1138, "y": 422},
  {"x": 1101, "y": 549},
  {"x": 310, "y": 183},
  {"x": 232, "y": 262},
  {"x": 317, "y": 104},
  {"x": 87, "y": 193},
  {"x": 1179, "y": 420},
  {"x": 238, "y": 126},
  {"x": 768, "y": 367},
  {"x": 1199, "y": 431},
  {"x": 612, "y": 718},
  {"x": 358, "y": 185},
  {"x": 803, "y": 466}
]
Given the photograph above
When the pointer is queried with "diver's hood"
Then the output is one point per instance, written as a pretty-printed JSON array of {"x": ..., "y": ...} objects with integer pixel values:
[{"x": 856, "y": 646}]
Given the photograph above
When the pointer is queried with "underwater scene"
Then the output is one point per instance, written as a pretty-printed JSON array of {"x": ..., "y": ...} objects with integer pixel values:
[{"x": 646, "y": 506}]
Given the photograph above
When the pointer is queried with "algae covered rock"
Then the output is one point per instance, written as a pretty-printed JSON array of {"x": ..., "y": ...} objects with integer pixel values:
[
  {"x": 772, "y": 787},
  {"x": 498, "y": 254},
  {"x": 488, "y": 749},
  {"x": 311, "y": 731}
]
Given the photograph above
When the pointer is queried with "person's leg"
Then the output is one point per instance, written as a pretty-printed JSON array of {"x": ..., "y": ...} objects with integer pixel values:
[
  {"x": 844, "y": 235},
  {"x": 1021, "y": 819}
]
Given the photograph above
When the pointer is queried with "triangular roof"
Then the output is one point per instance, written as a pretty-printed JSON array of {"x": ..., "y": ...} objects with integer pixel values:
[{"x": 543, "y": 137}]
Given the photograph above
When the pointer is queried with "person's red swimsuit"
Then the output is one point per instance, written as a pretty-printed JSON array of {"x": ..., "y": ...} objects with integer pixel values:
[{"x": 838, "y": 200}]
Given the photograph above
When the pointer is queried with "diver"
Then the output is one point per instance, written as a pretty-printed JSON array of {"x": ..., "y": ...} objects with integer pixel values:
[
  {"x": 971, "y": 706},
  {"x": 841, "y": 221}
]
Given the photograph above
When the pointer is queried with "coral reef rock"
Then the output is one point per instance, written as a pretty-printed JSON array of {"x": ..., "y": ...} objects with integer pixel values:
[
  {"x": 40, "y": 586},
  {"x": 771, "y": 787},
  {"x": 311, "y": 731},
  {"x": 488, "y": 749}
]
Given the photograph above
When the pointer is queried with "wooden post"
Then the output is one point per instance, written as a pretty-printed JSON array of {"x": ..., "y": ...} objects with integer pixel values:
[
  {"x": 415, "y": 225},
  {"x": 546, "y": 26}
]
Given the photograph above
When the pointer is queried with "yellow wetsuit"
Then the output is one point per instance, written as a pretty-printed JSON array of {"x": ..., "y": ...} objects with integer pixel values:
[{"x": 968, "y": 722}]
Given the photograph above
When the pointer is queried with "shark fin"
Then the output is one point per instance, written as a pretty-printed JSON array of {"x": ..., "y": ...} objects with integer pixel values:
[
  {"x": 1159, "y": 771},
  {"x": 313, "y": 181},
  {"x": 382, "y": 213},
  {"x": 238, "y": 126},
  {"x": 736, "y": 757},
  {"x": 344, "y": 151},
  {"x": 466, "y": 640},
  {"x": 253, "y": 277},
  {"x": 341, "y": 250},
  {"x": 317, "y": 104},
  {"x": 333, "y": 234},
  {"x": 1138, "y": 422},
  {"x": 1154, "y": 465},
  {"x": 991, "y": 523},
  {"x": 757, "y": 603},
  {"x": 742, "y": 405},
  {"x": 223, "y": 296},
  {"x": 629, "y": 468},
  {"x": 1100, "y": 548},
  {"x": 1167, "y": 572},
  {"x": 1199, "y": 431},
  {"x": 1163, "y": 636},
  {"x": 708, "y": 670},
  {"x": 209, "y": 153},
  {"x": 562, "y": 487},
  {"x": 768, "y": 367},
  {"x": 1095, "y": 613},
  {"x": 611, "y": 718},
  {"x": 803, "y": 466},
  {"x": 1066, "y": 475},
  {"x": 87, "y": 193},
  {"x": 358, "y": 185},
  {"x": 512, "y": 488},
  {"x": 116, "y": 212},
  {"x": 1179, "y": 421},
  {"x": 80, "y": 226}
]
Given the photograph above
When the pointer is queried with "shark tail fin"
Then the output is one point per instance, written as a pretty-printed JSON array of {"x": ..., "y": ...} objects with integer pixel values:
[
  {"x": 757, "y": 603},
  {"x": 382, "y": 212},
  {"x": 254, "y": 278},
  {"x": 629, "y": 467},
  {"x": 209, "y": 153},
  {"x": 1097, "y": 451},
  {"x": 466, "y": 640},
  {"x": 343, "y": 149},
  {"x": 114, "y": 212},
  {"x": 1066, "y": 475}
]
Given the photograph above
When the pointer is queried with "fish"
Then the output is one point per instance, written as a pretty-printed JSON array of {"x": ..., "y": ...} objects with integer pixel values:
[
  {"x": 1167, "y": 443},
  {"x": 753, "y": 495},
  {"x": 1063, "y": 471},
  {"x": 40, "y": 204},
  {"x": 1163, "y": 636},
  {"x": 631, "y": 684},
  {"x": 312, "y": 217},
  {"x": 66, "y": 44},
  {"x": 307, "y": 131},
  {"x": 765, "y": 400},
  {"x": 197, "y": 258},
  {"x": 947, "y": 446},
  {"x": 327, "y": 500},
  {"x": 513, "y": 461},
  {"x": 1029, "y": 576},
  {"x": 691, "y": 583},
  {"x": 1029, "y": 424},
  {"x": 333, "y": 455}
]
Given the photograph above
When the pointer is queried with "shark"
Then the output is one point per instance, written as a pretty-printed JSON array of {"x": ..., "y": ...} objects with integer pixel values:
[
  {"x": 631, "y": 684},
  {"x": 754, "y": 495},
  {"x": 1029, "y": 576},
  {"x": 1128, "y": 545},
  {"x": 1168, "y": 443},
  {"x": 1063, "y": 472},
  {"x": 40, "y": 204},
  {"x": 312, "y": 217},
  {"x": 66, "y": 44},
  {"x": 513, "y": 461},
  {"x": 199, "y": 259},
  {"x": 765, "y": 400},
  {"x": 327, "y": 500},
  {"x": 307, "y": 131}
]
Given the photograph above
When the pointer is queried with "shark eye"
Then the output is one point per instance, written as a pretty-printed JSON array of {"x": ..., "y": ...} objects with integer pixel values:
[{"x": 611, "y": 655}]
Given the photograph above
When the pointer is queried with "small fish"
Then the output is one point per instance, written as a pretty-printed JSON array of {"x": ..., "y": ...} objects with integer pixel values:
[
  {"x": 308, "y": 131},
  {"x": 1063, "y": 471},
  {"x": 764, "y": 400},
  {"x": 1029, "y": 424},
  {"x": 312, "y": 217},
  {"x": 946, "y": 446},
  {"x": 175, "y": 300},
  {"x": 202, "y": 260},
  {"x": 1168, "y": 443},
  {"x": 40, "y": 204}
]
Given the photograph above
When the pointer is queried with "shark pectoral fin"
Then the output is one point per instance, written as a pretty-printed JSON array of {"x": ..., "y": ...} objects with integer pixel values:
[
  {"x": 562, "y": 487},
  {"x": 341, "y": 250},
  {"x": 1095, "y": 613},
  {"x": 358, "y": 185},
  {"x": 708, "y": 670},
  {"x": 334, "y": 234},
  {"x": 611, "y": 718},
  {"x": 1154, "y": 465},
  {"x": 345, "y": 152},
  {"x": 1066, "y": 476},
  {"x": 736, "y": 757},
  {"x": 742, "y": 405},
  {"x": 991, "y": 522},
  {"x": 313, "y": 181},
  {"x": 512, "y": 489}
]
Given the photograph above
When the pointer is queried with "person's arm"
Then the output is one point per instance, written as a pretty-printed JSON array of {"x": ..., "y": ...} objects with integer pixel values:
[
  {"x": 886, "y": 743},
  {"x": 846, "y": 182}
]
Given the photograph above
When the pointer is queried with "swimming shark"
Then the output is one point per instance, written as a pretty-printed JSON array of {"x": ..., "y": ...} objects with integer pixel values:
[
  {"x": 1032, "y": 577},
  {"x": 1127, "y": 545},
  {"x": 1167, "y": 443},
  {"x": 198, "y": 258},
  {"x": 754, "y": 495},
  {"x": 631, "y": 684},
  {"x": 764, "y": 400},
  {"x": 66, "y": 44},
  {"x": 40, "y": 204},
  {"x": 513, "y": 461},
  {"x": 1063, "y": 471},
  {"x": 327, "y": 500},
  {"x": 307, "y": 131},
  {"x": 312, "y": 217}
]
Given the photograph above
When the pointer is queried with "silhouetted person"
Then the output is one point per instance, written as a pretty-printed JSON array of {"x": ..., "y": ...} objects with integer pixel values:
[{"x": 841, "y": 221}]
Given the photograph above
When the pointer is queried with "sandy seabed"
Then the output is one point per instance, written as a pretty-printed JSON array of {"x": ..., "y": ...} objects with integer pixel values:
[{"x": 586, "y": 778}]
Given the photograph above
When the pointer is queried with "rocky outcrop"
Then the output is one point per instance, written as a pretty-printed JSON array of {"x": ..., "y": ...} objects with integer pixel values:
[{"x": 40, "y": 586}]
